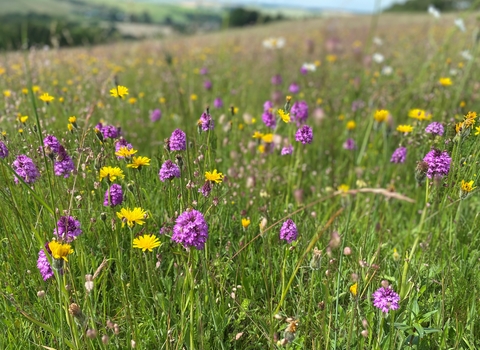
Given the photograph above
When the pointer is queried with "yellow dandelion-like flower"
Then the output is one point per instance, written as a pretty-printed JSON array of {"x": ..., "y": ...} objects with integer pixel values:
[
  {"x": 343, "y": 188},
  {"x": 70, "y": 127},
  {"x": 20, "y": 131},
  {"x": 319, "y": 101},
  {"x": 162, "y": 100},
  {"x": 477, "y": 132},
  {"x": 2, "y": 70},
  {"x": 405, "y": 128},
  {"x": 25, "y": 91},
  {"x": 445, "y": 81},
  {"x": 138, "y": 162},
  {"x": 284, "y": 116},
  {"x": 331, "y": 58},
  {"x": 7, "y": 93},
  {"x": 268, "y": 138},
  {"x": 119, "y": 91},
  {"x": 261, "y": 149},
  {"x": 59, "y": 250},
  {"x": 23, "y": 119},
  {"x": 458, "y": 127},
  {"x": 467, "y": 187},
  {"x": 351, "y": 125},
  {"x": 132, "y": 100},
  {"x": 462, "y": 104},
  {"x": 354, "y": 289},
  {"x": 419, "y": 114},
  {"x": 132, "y": 217},
  {"x": 214, "y": 176},
  {"x": 47, "y": 98},
  {"x": 125, "y": 152},
  {"x": 146, "y": 242},
  {"x": 469, "y": 119},
  {"x": 111, "y": 173},
  {"x": 36, "y": 88},
  {"x": 72, "y": 119},
  {"x": 193, "y": 97},
  {"x": 381, "y": 115},
  {"x": 257, "y": 135},
  {"x": 245, "y": 222}
]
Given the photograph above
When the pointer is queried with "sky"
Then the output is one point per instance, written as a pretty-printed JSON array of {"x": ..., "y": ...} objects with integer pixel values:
[{"x": 348, "y": 5}]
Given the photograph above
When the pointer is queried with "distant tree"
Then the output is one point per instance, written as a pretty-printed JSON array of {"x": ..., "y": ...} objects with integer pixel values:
[
  {"x": 239, "y": 17},
  {"x": 146, "y": 18}
]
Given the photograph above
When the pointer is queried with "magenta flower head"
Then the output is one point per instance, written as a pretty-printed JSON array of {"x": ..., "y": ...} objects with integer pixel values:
[
  {"x": 435, "y": 128},
  {"x": 286, "y": 150},
  {"x": 349, "y": 144},
  {"x": 277, "y": 79},
  {"x": 204, "y": 71},
  {"x": 190, "y": 229},
  {"x": 168, "y": 171},
  {"x": 294, "y": 88},
  {"x": 155, "y": 115},
  {"x": 269, "y": 119},
  {"x": 43, "y": 265},
  {"x": 304, "y": 135},
  {"x": 26, "y": 169},
  {"x": 3, "y": 150},
  {"x": 289, "y": 232},
  {"x": 108, "y": 131},
  {"x": 267, "y": 106},
  {"x": 51, "y": 144},
  {"x": 205, "y": 122},
  {"x": 438, "y": 163},
  {"x": 218, "y": 103},
  {"x": 113, "y": 196},
  {"x": 67, "y": 229},
  {"x": 63, "y": 164},
  {"x": 399, "y": 155},
  {"x": 299, "y": 112},
  {"x": 178, "y": 141},
  {"x": 303, "y": 70},
  {"x": 207, "y": 84},
  {"x": 386, "y": 299}
]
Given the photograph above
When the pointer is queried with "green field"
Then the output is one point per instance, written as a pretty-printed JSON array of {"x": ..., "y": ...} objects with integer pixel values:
[{"x": 383, "y": 251}]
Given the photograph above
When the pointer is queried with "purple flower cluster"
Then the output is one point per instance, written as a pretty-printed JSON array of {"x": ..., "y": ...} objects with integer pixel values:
[
  {"x": 277, "y": 79},
  {"x": 269, "y": 119},
  {"x": 51, "y": 144},
  {"x": 218, "y": 103},
  {"x": 294, "y": 88},
  {"x": 399, "y": 155},
  {"x": 435, "y": 128},
  {"x": 289, "y": 232},
  {"x": 168, "y": 171},
  {"x": 115, "y": 197},
  {"x": 3, "y": 150},
  {"x": 63, "y": 164},
  {"x": 286, "y": 150},
  {"x": 67, "y": 229},
  {"x": 108, "y": 131},
  {"x": 155, "y": 115},
  {"x": 206, "y": 189},
  {"x": 438, "y": 163},
  {"x": 349, "y": 144},
  {"x": 386, "y": 299},
  {"x": 43, "y": 265},
  {"x": 207, "y": 84},
  {"x": 26, "y": 169},
  {"x": 178, "y": 141},
  {"x": 299, "y": 112},
  {"x": 190, "y": 229},
  {"x": 206, "y": 121},
  {"x": 304, "y": 135}
]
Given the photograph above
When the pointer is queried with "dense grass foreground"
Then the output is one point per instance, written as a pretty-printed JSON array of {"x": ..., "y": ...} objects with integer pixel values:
[{"x": 339, "y": 218}]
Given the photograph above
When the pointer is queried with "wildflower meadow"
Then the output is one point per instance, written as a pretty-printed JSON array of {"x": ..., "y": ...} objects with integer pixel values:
[{"x": 301, "y": 185}]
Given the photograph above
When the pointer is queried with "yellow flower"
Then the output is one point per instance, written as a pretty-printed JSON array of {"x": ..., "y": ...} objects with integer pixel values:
[
  {"x": 125, "y": 152},
  {"x": 343, "y": 188},
  {"x": 261, "y": 149},
  {"x": 59, "y": 250},
  {"x": 23, "y": 119},
  {"x": 132, "y": 217},
  {"x": 7, "y": 93},
  {"x": 119, "y": 91},
  {"x": 341, "y": 117},
  {"x": 245, "y": 223},
  {"x": 381, "y": 115},
  {"x": 146, "y": 242},
  {"x": 462, "y": 104},
  {"x": 4, "y": 133},
  {"x": 214, "y": 176},
  {"x": 354, "y": 289},
  {"x": 193, "y": 97},
  {"x": 458, "y": 127},
  {"x": 132, "y": 100},
  {"x": 331, "y": 58},
  {"x": 25, "y": 91},
  {"x": 111, "y": 173},
  {"x": 20, "y": 131},
  {"x": 284, "y": 116},
  {"x": 61, "y": 99},
  {"x": 70, "y": 127},
  {"x": 419, "y": 114},
  {"x": 445, "y": 81},
  {"x": 141, "y": 95},
  {"x": 288, "y": 98},
  {"x": 35, "y": 88},
  {"x": 469, "y": 119},
  {"x": 72, "y": 119},
  {"x": 138, "y": 162},
  {"x": 2, "y": 70},
  {"x": 319, "y": 101},
  {"x": 268, "y": 138},
  {"x": 405, "y": 128},
  {"x": 396, "y": 256},
  {"x": 47, "y": 98},
  {"x": 257, "y": 135},
  {"x": 478, "y": 130},
  {"x": 162, "y": 100},
  {"x": 467, "y": 187},
  {"x": 351, "y": 125}
]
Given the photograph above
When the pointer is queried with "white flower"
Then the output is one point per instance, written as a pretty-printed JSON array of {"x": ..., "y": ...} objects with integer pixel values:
[
  {"x": 433, "y": 11},
  {"x": 311, "y": 67},
  {"x": 466, "y": 55},
  {"x": 377, "y": 41},
  {"x": 378, "y": 57},
  {"x": 453, "y": 72},
  {"x": 387, "y": 70},
  {"x": 274, "y": 43},
  {"x": 460, "y": 24}
]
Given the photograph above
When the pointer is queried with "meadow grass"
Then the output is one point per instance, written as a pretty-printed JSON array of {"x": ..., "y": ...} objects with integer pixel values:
[{"x": 362, "y": 221}]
